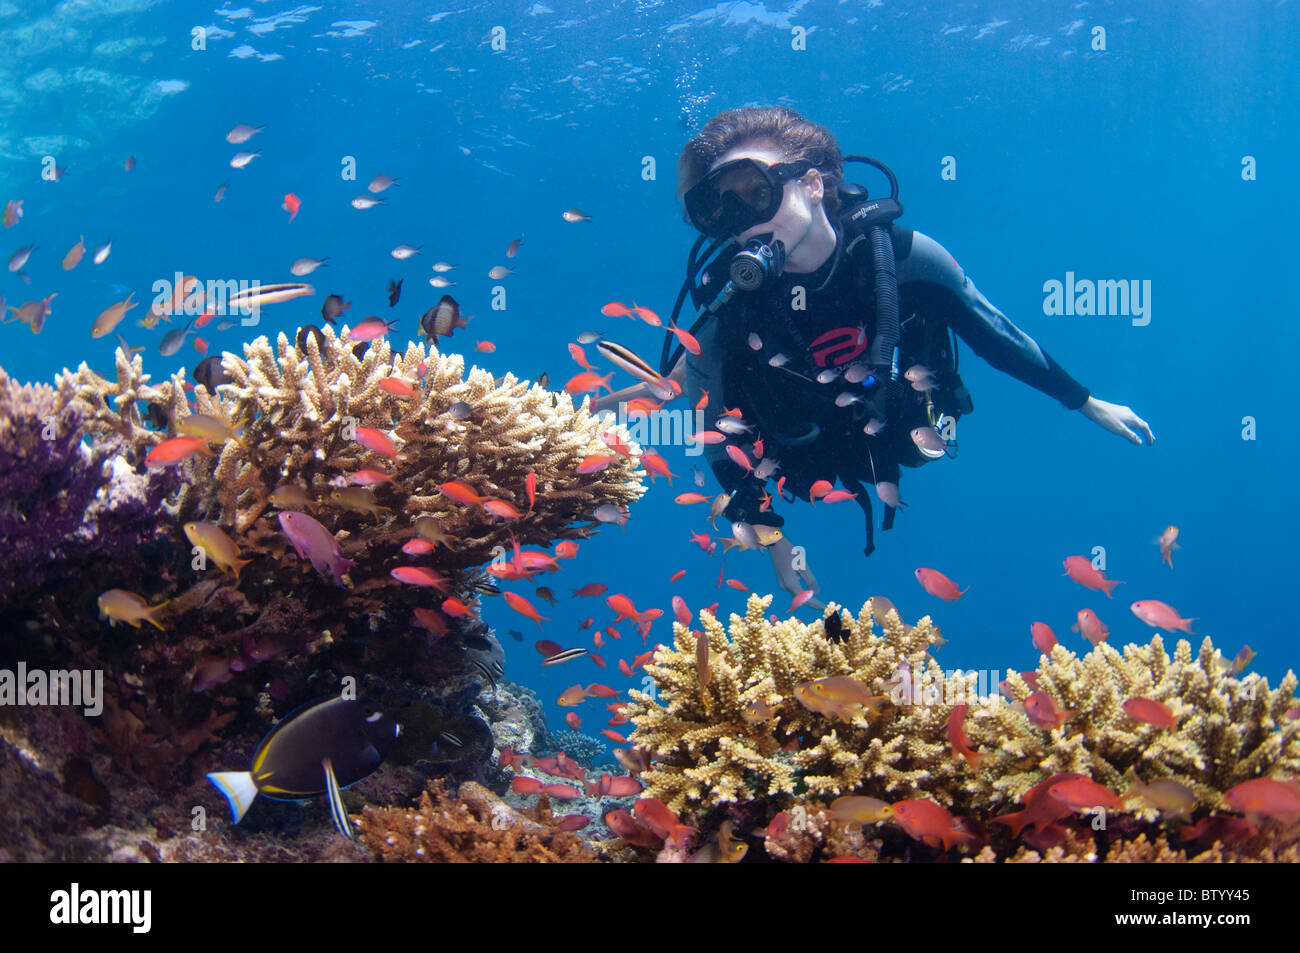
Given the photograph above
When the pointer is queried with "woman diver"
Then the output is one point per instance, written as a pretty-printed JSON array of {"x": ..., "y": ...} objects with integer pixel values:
[{"x": 827, "y": 326}]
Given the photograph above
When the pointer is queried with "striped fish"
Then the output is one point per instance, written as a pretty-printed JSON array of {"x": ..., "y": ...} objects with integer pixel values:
[{"x": 568, "y": 655}]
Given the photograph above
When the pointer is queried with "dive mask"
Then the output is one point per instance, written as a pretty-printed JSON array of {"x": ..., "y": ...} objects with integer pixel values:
[{"x": 738, "y": 195}]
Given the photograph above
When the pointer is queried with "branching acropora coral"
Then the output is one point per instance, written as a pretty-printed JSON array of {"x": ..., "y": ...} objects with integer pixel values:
[
  {"x": 746, "y": 737},
  {"x": 307, "y": 416}
]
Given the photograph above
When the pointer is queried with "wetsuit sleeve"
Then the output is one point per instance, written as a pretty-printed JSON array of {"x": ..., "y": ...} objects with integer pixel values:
[{"x": 929, "y": 275}]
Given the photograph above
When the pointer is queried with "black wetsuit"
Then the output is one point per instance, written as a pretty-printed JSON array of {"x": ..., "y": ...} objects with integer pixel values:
[{"x": 797, "y": 418}]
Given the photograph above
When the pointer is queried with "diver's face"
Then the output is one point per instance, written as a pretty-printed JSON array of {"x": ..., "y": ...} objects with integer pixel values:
[{"x": 800, "y": 204}]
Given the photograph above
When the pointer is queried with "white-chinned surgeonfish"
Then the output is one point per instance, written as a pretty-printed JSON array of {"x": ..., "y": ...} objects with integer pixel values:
[{"x": 321, "y": 748}]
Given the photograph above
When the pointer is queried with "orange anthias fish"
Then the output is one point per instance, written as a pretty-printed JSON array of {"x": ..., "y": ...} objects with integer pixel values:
[
  {"x": 1265, "y": 797},
  {"x": 588, "y": 381},
  {"x": 1042, "y": 636},
  {"x": 687, "y": 340},
  {"x": 591, "y": 589},
  {"x": 1040, "y": 808},
  {"x": 460, "y": 492},
  {"x": 819, "y": 489},
  {"x": 615, "y": 309},
  {"x": 291, "y": 204},
  {"x": 656, "y": 464},
  {"x": 1080, "y": 794},
  {"x": 1168, "y": 542},
  {"x": 655, "y": 815},
  {"x": 397, "y": 387},
  {"x": 530, "y": 487},
  {"x": 1041, "y": 710},
  {"x": 1081, "y": 570},
  {"x": 175, "y": 450},
  {"x": 419, "y": 576},
  {"x": 957, "y": 736},
  {"x": 580, "y": 356},
  {"x": 567, "y": 549},
  {"x": 524, "y": 608},
  {"x": 928, "y": 822},
  {"x": 376, "y": 441},
  {"x": 937, "y": 584},
  {"x": 1091, "y": 627},
  {"x": 594, "y": 463},
  {"x": 501, "y": 509},
  {"x": 1161, "y": 616},
  {"x": 1151, "y": 711}
]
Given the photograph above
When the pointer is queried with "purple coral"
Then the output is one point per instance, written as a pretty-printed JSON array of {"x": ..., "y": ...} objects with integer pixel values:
[{"x": 62, "y": 501}]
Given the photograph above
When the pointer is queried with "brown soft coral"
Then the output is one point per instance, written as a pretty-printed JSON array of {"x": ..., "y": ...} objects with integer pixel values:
[{"x": 474, "y": 826}]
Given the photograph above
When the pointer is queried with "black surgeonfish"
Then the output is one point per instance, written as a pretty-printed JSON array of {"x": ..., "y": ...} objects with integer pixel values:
[{"x": 321, "y": 748}]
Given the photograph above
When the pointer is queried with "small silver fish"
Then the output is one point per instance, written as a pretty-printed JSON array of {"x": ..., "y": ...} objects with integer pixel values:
[
  {"x": 828, "y": 375},
  {"x": 403, "y": 252},
  {"x": 755, "y": 342},
  {"x": 225, "y": 325},
  {"x": 381, "y": 183},
  {"x": 732, "y": 426},
  {"x": 305, "y": 266},
  {"x": 778, "y": 360},
  {"x": 766, "y": 467},
  {"x": 589, "y": 337},
  {"x": 460, "y": 410},
  {"x": 873, "y": 427},
  {"x": 573, "y": 215},
  {"x": 242, "y": 133},
  {"x": 720, "y": 503},
  {"x": 609, "y": 513},
  {"x": 242, "y": 159},
  {"x": 918, "y": 372},
  {"x": 697, "y": 475},
  {"x": 221, "y": 192},
  {"x": 857, "y": 373},
  {"x": 888, "y": 493},
  {"x": 744, "y": 534},
  {"x": 101, "y": 253},
  {"x": 927, "y": 438},
  {"x": 846, "y": 398},
  {"x": 365, "y": 201},
  {"x": 441, "y": 266},
  {"x": 441, "y": 282},
  {"x": 19, "y": 258},
  {"x": 498, "y": 272}
]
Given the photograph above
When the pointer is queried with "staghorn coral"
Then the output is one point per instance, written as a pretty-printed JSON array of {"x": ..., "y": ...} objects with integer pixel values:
[
  {"x": 300, "y": 410},
  {"x": 474, "y": 826},
  {"x": 300, "y": 403},
  {"x": 707, "y": 754}
]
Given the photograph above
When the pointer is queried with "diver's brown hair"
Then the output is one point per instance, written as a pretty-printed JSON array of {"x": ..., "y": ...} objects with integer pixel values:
[{"x": 774, "y": 127}]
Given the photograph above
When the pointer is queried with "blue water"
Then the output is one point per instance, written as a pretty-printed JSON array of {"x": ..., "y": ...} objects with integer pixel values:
[{"x": 1123, "y": 163}]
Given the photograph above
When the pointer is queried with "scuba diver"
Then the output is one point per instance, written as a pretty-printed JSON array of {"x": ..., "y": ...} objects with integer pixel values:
[{"x": 829, "y": 328}]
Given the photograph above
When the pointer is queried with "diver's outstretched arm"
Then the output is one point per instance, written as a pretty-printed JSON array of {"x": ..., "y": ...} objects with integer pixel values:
[
  {"x": 1118, "y": 419},
  {"x": 793, "y": 581},
  {"x": 612, "y": 400}
]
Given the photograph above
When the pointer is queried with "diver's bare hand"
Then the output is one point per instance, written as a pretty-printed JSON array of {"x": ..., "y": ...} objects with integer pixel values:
[
  {"x": 1118, "y": 419},
  {"x": 793, "y": 581}
]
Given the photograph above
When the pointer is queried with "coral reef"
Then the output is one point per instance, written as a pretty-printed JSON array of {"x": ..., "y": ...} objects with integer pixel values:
[
  {"x": 237, "y": 649},
  {"x": 64, "y": 504},
  {"x": 745, "y": 738},
  {"x": 473, "y": 826}
]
